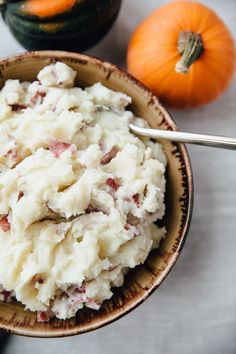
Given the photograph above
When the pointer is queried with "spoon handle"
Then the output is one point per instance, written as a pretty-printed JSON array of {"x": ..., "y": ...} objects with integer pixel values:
[{"x": 191, "y": 138}]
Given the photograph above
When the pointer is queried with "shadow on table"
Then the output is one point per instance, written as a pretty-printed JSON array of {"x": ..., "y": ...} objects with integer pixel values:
[
  {"x": 4, "y": 338},
  {"x": 113, "y": 47},
  {"x": 195, "y": 259}
]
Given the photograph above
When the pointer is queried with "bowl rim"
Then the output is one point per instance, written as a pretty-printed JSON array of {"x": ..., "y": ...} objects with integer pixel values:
[{"x": 154, "y": 101}]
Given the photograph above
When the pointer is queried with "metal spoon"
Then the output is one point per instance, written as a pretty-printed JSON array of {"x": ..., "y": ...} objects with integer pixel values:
[{"x": 191, "y": 138}]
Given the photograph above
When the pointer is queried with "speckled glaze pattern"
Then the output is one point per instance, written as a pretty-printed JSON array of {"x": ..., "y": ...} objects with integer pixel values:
[{"x": 143, "y": 280}]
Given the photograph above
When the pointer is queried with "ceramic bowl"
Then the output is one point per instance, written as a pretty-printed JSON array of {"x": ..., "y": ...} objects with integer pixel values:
[{"x": 143, "y": 280}]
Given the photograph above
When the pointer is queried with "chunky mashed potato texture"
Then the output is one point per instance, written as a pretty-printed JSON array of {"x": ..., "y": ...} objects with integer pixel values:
[{"x": 78, "y": 193}]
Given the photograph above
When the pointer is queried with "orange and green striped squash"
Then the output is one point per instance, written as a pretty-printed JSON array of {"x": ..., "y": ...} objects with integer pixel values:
[{"x": 60, "y": 24}]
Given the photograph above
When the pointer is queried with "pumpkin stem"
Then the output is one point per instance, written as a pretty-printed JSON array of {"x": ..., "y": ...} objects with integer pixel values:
[
  {"x": 190, "y": 46},
  {"x": 2, "y": 3}
]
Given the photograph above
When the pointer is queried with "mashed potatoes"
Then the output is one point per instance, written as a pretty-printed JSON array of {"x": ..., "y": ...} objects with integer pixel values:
[{"x": 78, "y": 193}]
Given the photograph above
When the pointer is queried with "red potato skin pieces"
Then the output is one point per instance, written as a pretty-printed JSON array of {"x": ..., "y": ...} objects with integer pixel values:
[
  {"x": 4, "y": 223},
  {"x": 58, "y": 147},
  {"x": 109, "y": 156}
]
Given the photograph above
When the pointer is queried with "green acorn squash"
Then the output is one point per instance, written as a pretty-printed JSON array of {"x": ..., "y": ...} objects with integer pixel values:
[{"x": 74, "y": 25}]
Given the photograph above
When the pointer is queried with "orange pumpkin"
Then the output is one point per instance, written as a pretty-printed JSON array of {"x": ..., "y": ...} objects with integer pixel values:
[{"x": 184, "y": 53}]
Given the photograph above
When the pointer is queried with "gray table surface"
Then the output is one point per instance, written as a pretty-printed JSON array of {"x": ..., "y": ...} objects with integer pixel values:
[{"x": 194, "y": 311}]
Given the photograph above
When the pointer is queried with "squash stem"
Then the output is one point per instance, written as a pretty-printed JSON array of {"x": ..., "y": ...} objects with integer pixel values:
[{"x": 190, "y": 46}]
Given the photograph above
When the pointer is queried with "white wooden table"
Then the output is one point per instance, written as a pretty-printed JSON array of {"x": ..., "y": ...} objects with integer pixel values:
[{"x": 194, "y": 311}]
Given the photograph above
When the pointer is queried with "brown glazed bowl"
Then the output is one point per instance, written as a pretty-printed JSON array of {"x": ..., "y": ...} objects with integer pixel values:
[{"x": 143, "y": 280}]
